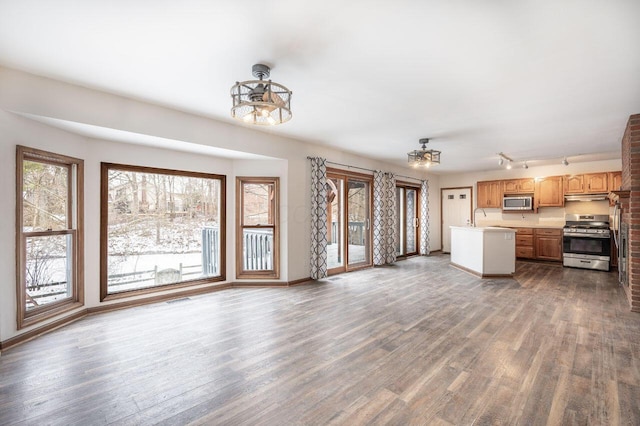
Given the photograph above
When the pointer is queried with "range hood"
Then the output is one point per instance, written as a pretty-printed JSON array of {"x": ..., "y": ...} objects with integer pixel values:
[{"x": 586, "y": 197}]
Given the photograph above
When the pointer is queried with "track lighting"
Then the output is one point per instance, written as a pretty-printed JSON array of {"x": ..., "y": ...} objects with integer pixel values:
[
  {"x": 525, "y": 166},
  {"x": 565, "y": 162},
  {"x": 502, "y": 158}
]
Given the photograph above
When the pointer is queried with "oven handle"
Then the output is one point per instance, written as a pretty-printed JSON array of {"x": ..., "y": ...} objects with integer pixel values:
[
  {"x": 590, "y": 236},
  {"x": 616, "y": 223}
]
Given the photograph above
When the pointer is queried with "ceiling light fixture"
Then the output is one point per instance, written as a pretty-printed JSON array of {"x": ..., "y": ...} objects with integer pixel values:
[
  {"x": 504, "y": 158},
  {"x": 524, "y": 165},
  {"x": 424, "y": 157},
  {"x": 565, "y": 162},
  {"x": 261, "y": 102}
]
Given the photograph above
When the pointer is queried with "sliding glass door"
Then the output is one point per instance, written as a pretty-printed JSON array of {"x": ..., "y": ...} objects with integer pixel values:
[
  {"x": 349, "y": 221},
  {"x": 407, "y": 202}
]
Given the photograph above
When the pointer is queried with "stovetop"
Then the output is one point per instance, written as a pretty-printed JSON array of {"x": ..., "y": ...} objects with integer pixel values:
[{"x": 586, "y": 224}]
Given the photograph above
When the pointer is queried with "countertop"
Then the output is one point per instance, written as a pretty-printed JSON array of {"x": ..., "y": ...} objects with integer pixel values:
[
  {"x": 485, "y": 228},
  {"x": 523, "y": 225}
]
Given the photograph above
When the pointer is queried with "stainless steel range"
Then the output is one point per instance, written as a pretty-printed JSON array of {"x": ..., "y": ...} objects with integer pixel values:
[{"x": 586, "y": 241}]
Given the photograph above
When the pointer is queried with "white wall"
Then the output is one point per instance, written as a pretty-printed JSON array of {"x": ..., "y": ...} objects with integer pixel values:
[{"x": 26, "y": 93}]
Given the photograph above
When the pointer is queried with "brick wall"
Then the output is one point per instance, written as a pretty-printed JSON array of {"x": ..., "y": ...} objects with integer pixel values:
[{"x": 631, "y": 206}]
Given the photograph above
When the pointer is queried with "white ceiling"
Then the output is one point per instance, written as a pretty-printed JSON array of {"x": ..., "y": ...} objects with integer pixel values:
[{"x": 537, "y": 80}]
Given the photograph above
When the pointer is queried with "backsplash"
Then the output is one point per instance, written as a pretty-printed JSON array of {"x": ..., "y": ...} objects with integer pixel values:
[{"x": 546, "y": 216}]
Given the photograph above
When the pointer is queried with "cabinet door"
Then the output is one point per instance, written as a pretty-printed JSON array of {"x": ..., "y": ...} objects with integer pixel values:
[
  {"x": 596, "y": 182},
  {"x": 489, "y": 194},
  {"x": 527, "y": 185},
  {"x": 548, "y": 248},
  {"x": 483, "y": 195},
  {"x": 510, "y": 186},
  {"x": 574, "y": 184},
  {"x": 548, "y": 244},
  {"x": 615, "y": 181},
  {"x": 549, "y": 192}
]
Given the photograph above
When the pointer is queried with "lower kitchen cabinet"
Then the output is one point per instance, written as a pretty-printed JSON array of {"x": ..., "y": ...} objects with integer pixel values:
[
  {"x": 524, "y": 243},
  {"x": 548, "y": 244}
]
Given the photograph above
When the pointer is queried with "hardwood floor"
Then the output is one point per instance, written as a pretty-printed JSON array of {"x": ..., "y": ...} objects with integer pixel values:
[{"x": 415, "y": 343}]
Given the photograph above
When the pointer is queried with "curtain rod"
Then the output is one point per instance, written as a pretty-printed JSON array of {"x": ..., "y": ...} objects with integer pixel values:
[{"x": 362, "y": 168}]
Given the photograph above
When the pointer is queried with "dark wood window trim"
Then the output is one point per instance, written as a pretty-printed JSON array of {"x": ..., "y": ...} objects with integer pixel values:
[
  {"x": 104, "y": 220},
  {"x": 273, "y": 273},
  {"x": 74, "y": 228},
  {"x": 346, "y": 175},
  {"x": 418, "y": 188}
]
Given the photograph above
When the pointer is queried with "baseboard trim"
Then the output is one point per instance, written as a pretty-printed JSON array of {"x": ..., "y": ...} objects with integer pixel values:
[
  {"x": 155, "y": 299},
  {"x": 478, "y": 274},
  {"x": 300, "y": 281},
  {"x": 31, "y": 334}
]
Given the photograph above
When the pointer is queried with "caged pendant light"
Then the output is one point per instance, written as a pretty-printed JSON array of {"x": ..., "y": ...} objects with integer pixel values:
[
  {"x": 261, "y": 102},
  {"x": 424, "y": 157}
]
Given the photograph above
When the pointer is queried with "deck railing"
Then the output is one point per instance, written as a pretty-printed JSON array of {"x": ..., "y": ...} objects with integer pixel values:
[{"x": 258, "y": 249}]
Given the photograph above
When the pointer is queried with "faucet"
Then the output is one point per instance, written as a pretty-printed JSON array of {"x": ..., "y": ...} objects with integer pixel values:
[{"x": 474, "y": 224}]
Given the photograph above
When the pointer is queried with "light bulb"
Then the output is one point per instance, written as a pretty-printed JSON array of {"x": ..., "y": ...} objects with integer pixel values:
[{"x": 509, "y": 165}]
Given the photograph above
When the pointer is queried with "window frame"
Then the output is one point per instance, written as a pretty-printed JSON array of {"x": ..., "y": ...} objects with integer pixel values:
[
  {"x": 74, "y": 228},
  {"x": 104, "y": 230},
  {"x": 273, "y": 273}
]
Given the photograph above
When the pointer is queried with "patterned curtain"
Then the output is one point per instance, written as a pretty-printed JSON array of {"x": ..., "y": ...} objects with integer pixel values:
[
  {"x": 318, "y": 218},
  {"x": 424, "y": 218},
  {"x": 384, "y": 218}
]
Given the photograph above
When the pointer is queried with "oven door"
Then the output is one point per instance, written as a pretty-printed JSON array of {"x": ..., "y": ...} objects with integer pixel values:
[{"x": 592, "y": 244}]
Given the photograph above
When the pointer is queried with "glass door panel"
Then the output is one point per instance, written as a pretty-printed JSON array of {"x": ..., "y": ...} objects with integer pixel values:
[
  {"x": 359, "y": 214},
  {"x": 411, "y": 221},
  {"x": 335, "y": 223},
  {"x": 400, "y": 222}
]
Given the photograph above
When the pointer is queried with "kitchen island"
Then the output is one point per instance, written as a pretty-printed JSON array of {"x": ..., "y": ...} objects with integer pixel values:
[{"x": 484, "y": 251}]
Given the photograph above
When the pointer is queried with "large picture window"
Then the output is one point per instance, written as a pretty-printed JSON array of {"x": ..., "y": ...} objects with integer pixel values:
[
  {"x": 257, "y": 239},
  {"x": 49, "y": 244},
  {"x": 159, "y": 229}
]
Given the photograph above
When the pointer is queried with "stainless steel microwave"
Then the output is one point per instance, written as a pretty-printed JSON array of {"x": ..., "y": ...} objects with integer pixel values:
[{"x": 517, "y": 203}]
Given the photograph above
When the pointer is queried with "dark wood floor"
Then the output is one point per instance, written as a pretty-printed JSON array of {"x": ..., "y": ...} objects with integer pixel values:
[{"x": 416, "y": 343}]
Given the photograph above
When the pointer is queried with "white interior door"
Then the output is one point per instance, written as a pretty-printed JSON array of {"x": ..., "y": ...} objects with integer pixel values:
[{"x": 456, "y": 211}]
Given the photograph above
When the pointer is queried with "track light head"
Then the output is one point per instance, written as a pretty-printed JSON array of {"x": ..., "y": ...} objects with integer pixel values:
[
  {"x": 500, "y": 161},
  {"x": 565, "y": 162},
  {"x": 525, "y": 166}
]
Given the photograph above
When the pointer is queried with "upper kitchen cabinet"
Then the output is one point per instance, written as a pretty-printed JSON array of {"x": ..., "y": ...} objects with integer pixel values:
[
  {"x": 490, "y": 194},
  {"x": 574, "y": 184},
  {"x": 549, "y": 192},
  {"x": 596, "y": 182},
  {"x": 615, "y": 181},
  {"x": 588, "y": 183},
  {"x": 518, "y": 186}
]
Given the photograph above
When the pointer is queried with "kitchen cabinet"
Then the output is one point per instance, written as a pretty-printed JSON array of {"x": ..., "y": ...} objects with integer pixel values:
[
  {"x": 574, "y": 184},
  {"x": 518, "y": 186},
  {"x": 549, "y": 192},
  {"x": 615, "y": 181},
  {"x": 524, "y": 243},
  {"x": 596, "y": 182},
  {"x": 489, "y": 194},
  {"x": 588, "y": 183},
  {"x": 548, "y": 244}
]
